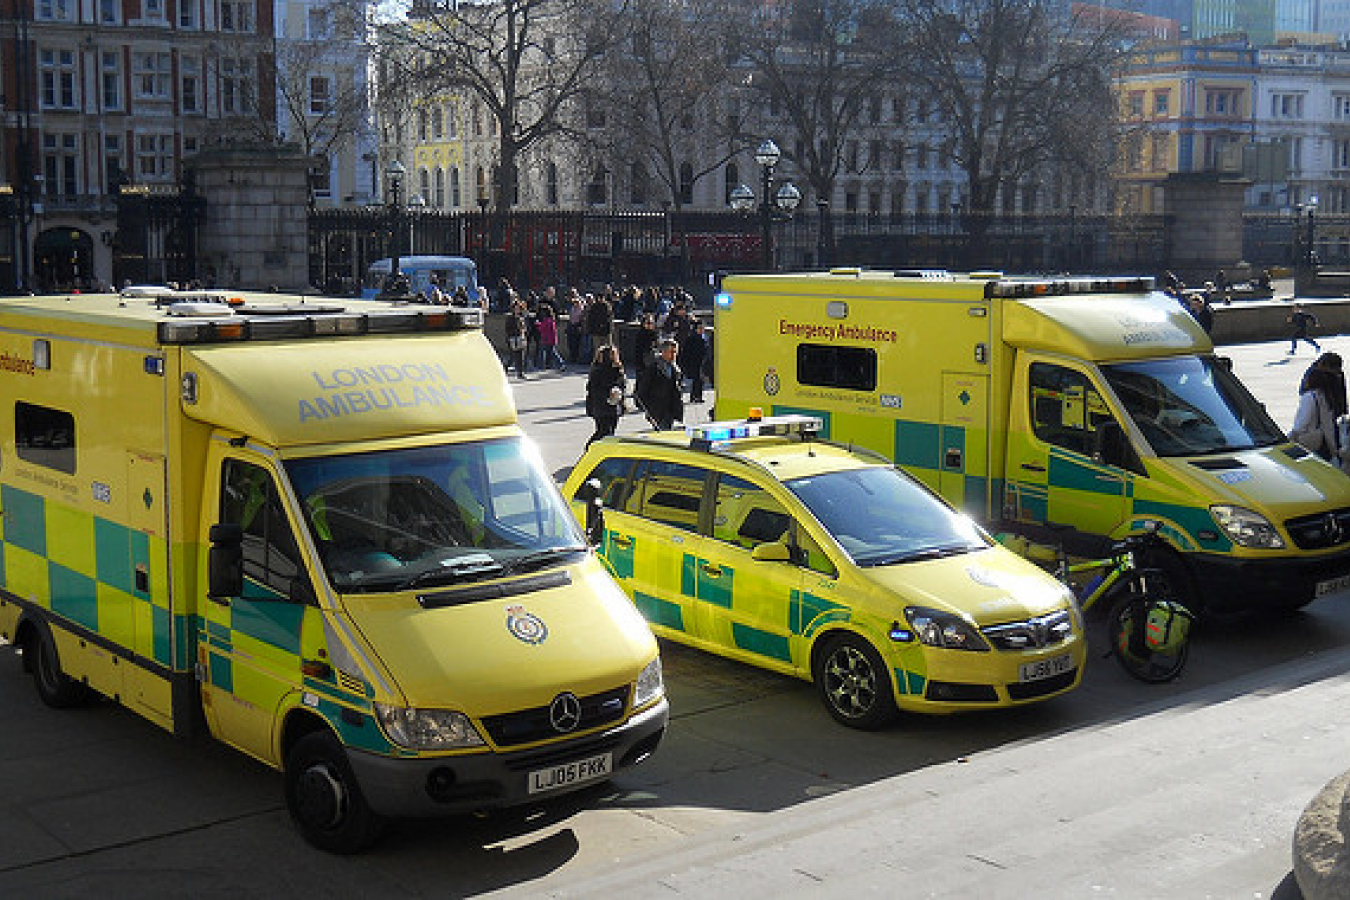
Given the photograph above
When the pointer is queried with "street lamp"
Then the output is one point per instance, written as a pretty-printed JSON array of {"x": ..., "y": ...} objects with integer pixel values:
[
  {"x": 785, "y": 200},
  {"x": 1312, "y": 253},
  {"x": 393, "y": 178},
  {"x": 417, "y": 205}
]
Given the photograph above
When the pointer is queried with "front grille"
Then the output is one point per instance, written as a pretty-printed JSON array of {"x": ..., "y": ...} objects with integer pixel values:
[
  {"x": 1320, "y": 530},
  {"x": 1031, "y": 634},
  {"x": 529, "y": 725},
  {"x": 1027, "y": 690}
]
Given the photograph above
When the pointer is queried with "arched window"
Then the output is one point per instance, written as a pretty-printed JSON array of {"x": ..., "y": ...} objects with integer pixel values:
[
  {"x": 438, "y": 199},
  {"x": 456, "y": 201},
  {"x": 596, "y": 190},
  {"x": 480, "y": 185}
]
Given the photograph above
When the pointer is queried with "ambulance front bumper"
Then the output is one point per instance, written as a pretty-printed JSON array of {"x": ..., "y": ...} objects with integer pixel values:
[
  {"x": 446, "y": 785},
  {"x": 1240, "y": 585}
]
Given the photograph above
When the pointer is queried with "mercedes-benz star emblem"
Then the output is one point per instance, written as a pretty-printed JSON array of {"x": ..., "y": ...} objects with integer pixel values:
[{"x": 564, "y": 713}]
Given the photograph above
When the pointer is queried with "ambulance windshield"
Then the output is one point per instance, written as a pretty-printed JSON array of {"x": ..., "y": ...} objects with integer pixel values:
[
  {"x": 401, "y": 519},
  {"x": 1191, "y": 405},
  {"x": 881, "y": 517}
]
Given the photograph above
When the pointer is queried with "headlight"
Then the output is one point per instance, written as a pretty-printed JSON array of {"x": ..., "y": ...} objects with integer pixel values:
[
  {"x": 650, "y": 684},
  {"x": 939, "y": 629},
  {"x": 1247, "y": 528},
  {"x": 427, "y": 729}
]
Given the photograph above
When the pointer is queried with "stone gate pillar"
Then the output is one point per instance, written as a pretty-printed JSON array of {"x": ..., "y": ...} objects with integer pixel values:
[
  {"x": 1204, "y": 223},
  {"x": 256, "y": 233}
]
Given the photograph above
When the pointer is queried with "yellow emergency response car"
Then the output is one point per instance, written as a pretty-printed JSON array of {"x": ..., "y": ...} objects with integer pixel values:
[
  {"x": 757, "y": 541},
  {"x": 319, "y": 524},
  {"x": 1095, "y": 403}
]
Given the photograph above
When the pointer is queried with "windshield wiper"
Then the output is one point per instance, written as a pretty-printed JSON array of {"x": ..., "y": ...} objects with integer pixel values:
[
  {"x": 462, "y": 568},
  {"x": 540, "y": 558},
  {"x": 926, "y": 553}
]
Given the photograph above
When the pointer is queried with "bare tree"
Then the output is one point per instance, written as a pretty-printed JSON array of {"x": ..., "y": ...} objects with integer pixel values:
[
  {"x": 818, "y": 62},
  {"x": 1019, "y": 88},
  {"x": 527, "y": 61},
  {"x": 662, "y": 85}
]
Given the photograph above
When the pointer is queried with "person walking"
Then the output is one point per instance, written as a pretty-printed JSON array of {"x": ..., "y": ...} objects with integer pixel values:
[
  {"x": 515, "y": 337},
  {"x": 1315, "y": 420},
  {"x": 658, "y": 387},
  {"x": 576, "y": 315},
  {"x": 1300, "y": 321},
  {"x": 644, "y": 342},
  {"x": 1200, "y": 309},
  {"x": 547, "y": 325},
  {"x": 599, "y": 321},
  {"x": 693, "y": 355},
  {"x": 605, "y": 387}
]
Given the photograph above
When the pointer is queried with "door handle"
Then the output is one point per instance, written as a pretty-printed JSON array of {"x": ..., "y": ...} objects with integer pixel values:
[
  {"x": 1033, "y": 467},
  {"x": 712, "y": 571},
  {"x": 622, "y": 541}
]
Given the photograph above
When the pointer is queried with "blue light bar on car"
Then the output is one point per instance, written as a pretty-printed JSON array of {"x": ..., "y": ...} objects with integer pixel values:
[{"x": 721, "y": 432}]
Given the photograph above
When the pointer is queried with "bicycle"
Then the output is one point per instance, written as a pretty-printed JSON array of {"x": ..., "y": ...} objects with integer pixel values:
[{"x": 1148, "y": 629}]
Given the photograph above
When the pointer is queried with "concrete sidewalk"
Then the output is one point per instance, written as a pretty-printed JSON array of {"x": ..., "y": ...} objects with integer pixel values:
[{"x": 1198, "y": 800}]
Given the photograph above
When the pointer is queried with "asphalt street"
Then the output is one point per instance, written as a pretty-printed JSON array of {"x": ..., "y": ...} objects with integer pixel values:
[{"x": 1118, "y": 790}]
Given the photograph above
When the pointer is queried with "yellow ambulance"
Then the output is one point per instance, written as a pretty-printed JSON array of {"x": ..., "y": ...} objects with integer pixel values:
[
  {"x": 318, "y": 525},
  {"x": 1095, "y": 403},
  {"x": 760, "y": 542}
]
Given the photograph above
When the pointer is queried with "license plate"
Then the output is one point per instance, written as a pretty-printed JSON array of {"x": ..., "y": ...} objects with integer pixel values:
[
  {"x": 1045, "y": 668},
  {"x": 575, "y": 772},
  {"x": 1331, "y": 586}
]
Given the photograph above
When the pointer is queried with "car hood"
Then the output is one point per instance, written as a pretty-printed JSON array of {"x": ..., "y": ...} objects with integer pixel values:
[
  {"x": 565, "y": 629},
  {"x": 988, "y": 587}
]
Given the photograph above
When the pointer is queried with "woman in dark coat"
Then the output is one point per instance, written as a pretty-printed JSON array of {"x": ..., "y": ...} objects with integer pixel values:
[{"x": 604, "y": 391}]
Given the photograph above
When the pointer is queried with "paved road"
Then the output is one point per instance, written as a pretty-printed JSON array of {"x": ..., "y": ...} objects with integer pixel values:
[{"x": 1184, "y": 790}]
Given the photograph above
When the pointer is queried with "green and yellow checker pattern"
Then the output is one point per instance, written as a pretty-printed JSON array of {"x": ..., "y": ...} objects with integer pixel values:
[{"x": 106, "y": 579}]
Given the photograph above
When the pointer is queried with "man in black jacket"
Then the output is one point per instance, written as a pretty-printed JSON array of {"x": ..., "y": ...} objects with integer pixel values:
[{"x": 658, "y": 387}]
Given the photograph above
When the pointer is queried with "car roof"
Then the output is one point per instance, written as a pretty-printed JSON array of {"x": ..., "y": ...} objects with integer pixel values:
[{"x": 782, "y": 457}]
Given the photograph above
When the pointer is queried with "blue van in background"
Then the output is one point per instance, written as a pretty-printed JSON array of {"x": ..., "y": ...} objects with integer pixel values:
[{"x": 451, "y": 272}]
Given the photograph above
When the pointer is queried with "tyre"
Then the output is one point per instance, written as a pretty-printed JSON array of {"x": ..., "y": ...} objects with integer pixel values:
[
  {"x": 1126, "y": 623},
  {"x": 324, "y": 799},
  {"x": 57, "y": 689},
  {"x": 854, "y": 684}
]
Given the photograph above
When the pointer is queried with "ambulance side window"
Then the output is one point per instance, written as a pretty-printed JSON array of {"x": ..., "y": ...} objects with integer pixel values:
[
  {"x": 831, "y": 366},
  {"x": 746, "y": 516},
  {"x": 615, "y": 483},
  {"x": 45, "y": 436},
  {"x": 1066, "y": 410},
  {"x": 248, "y": 497},
  {"x": 669, "y": 493}
]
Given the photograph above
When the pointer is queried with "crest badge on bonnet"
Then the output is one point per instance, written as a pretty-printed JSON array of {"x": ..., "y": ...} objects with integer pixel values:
[{"x": 526, "y": 626}]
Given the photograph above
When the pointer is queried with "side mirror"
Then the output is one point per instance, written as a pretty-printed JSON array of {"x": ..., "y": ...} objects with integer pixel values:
[
  {"x": 595, "y": 511},
  {"x": 771, "y": 551},
  {"x": 225, "y": 561}
]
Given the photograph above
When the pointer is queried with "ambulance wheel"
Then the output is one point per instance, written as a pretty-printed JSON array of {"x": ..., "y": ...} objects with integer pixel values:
[
  {"x": 57, "y": 689},
  {"x": 854, "y": 683},
  {"x": 324, "y": 799}
]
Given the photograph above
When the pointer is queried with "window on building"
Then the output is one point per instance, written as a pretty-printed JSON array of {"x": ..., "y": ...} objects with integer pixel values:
[
  {"x": 187, "y": 14},
  {"x": 596, "y": 193},
  {"x": 477, "y": 115},
  {"x": 1340, "y": 155},
  {"x": 56, "y": 78},
  {"x": 110, "y": 80},
  {"x": 150, "y": 74},
  {"x": 1135, "y": 104},
  {"x": 320, "y": 94},
  {"x": 190, "y": 146},
  {"x": 1158, "y": 152},
  {"x": 55, "y": 11},
  {"x": 438, "y": 189},
  {"x": 154, "y": 157},
  {"x": 236, "y": 86},
  {"x": 236, "y": 16},
  {"x": 114, "y": 164},
  {"x": 921, "y": 156},
  {"x": 1295, "y": 155},
  {"x": 1162, "y": 103},
  {"x": 321, "y": 177},
  {"x": 452, "y": 121},
  {"x": 1286, "y": 106},
  {"x": 456, "y": 198},
  {"x": 424, "y": 183},
  {"x": 152, "y": 10},
  {"x": 109, "y": 12},
  {"x": 190, "y": 82},
  {"x": 318, "y": 23},
  {"x": 61, "y": 164},
  {"x": 1340, "y": 106}
]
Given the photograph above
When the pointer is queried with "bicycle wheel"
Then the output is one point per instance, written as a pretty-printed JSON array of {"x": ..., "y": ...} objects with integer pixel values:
[{"x": 1128, "y": 622}]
